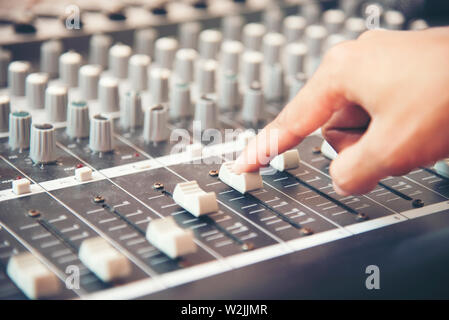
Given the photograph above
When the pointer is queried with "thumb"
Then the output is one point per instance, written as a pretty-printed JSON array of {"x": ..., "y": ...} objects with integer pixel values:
[{"x": 359, "y": 167}]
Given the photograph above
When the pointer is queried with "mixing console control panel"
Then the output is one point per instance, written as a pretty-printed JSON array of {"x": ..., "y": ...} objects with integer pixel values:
[{"x": 116, "y": 178}]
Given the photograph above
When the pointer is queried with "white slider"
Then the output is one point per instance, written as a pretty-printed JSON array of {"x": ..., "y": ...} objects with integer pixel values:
[
  {"x": 32, "y": 277},
  {"x": 83, "y": 174},
  {"x": 169, "y": 238},
  {"x": 442, "y": 167},
  {"x": 328, "y": 151},
  {"x": 21, "y": 186},
  {"x": 244, "y": 182},
  {"x": 104, "y": 260},
  {"x": 287, "y": 160},
  {"x": 195, "y": 200}
]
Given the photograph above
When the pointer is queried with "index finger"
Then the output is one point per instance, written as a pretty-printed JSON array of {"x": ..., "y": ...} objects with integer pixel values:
[{"x": 314, "y": 104}]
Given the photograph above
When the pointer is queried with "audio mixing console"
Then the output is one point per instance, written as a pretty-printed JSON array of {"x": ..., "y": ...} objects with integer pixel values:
[{"x": 116, "y": 177}]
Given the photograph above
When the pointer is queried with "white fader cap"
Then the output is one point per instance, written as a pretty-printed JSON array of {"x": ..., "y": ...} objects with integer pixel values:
[
  {"x": 169, "y": 238},
  {"x": 244, "y": 182},
  {"x": 287, "y": 160},
  {"x": 195, "y": 200},
  {"x": 103, "y": 259}
]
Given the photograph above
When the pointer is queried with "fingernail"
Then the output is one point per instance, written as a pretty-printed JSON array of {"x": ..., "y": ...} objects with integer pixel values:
[{"x": 340, "y": 191}]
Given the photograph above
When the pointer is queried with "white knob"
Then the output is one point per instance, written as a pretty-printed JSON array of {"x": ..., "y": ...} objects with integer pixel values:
[
  {"x": 5, "y": 109},
  {"x": 155, "y": 124},
  {"x": 56, "y": 103},
  {"x": 185, "y": 64},
  {"x": 188, "y": 34},
  {"x": 99, "y": 49},
  {"x": 50, "y": 52},
  {"x": 118, "y": 60},
  {"x": 101, "y": 134},
  {"x": 294, "y": 27},
  {"x": 19, "y": 130},
  {"x": 17, "y": 73},
  {"x": 210, "y": 41},
  {"x": 230, "y": 56},
  {"x": 252, "y": 36},
  {"x": 108, "y": 94},
  {"x": 251, "y": 67},
  {"x": 232, "y": 27},
  {"x": 180, "y": 104},
  {"x": 42, "y": 144},
  {"x": 165, "y": 52},
  {"x": 69, "y": 64},
  {"x": 88, "y": 81},
  {"x": 132, "y": 114},
  {"x": 77, "y": 120},
  {"x": 206, "y": 113},
  {"x": 36, "y": 83},
  {"x": 144, "y": 41},
  {"x": 138, "y": 71},
  {"x": 253, "y": 104},
  {"x": 159, "y": 80}
]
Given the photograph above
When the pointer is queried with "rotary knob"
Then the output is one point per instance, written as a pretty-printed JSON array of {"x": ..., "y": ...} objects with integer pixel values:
[
  {"x": 98, "y": 49},
  {"x": 354, "y": 27},
  {"x": 189, "y": 34},
  {"x": 144, "y": 41},
  {"x": 394, "y": 20},
  {"x": 36, "y": 83},
  {"x": 251, "y": 67},
  {"x": 252, "y": 36},
  {"x": 205, "y": 79},
  {"x": 56, "y": 103},
  {"x": 165, "y": 52},
  {"x": 333, "y": 20},
  {"x": 132, "y": 115},
  {"x": 274, "y": 82},
  {"x": 118, "y": 60},
  {"x": 294, "y": 27},
  {"x": 155, "y": 124},
  {"x": 272, "y": 45},
  {"x": 210, "y": 41},
  {"x": 295, "y": 55},
  {"x": 184, "y": 64},
  {"x": 228, "y": 94},
  {"x": 5, "y": 108},
  {"x": 206, "y": 113},
  {"x": 108, "y": 94},
  {"x": 232, "y": 27},
  {"x": 69, "y": 64},
  {"x": 253, "y": 104},
  {"x": 17, "y": 73},
  {"x": 77, "y": 120},
  {"x": 159, "y": 79},
  {"x": 138, "y": 71},
  {"x": 180, "y": 105},
  {"x": 315, "y": 35},
  {"x": 272, "y": 18},
  {"x": 5, "y": 59},
  {"x": 19, "y": 130},
  {"x": 88, "y": 81},
  {"x": 50, "y": 52},
  {"x": 230, "y": 55},
  {"x": 101, "y": 134},
  {"x": 42, "y": 144}
]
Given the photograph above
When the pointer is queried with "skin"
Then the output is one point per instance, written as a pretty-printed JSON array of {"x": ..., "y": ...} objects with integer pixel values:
[{"x": 382, "y": 102}]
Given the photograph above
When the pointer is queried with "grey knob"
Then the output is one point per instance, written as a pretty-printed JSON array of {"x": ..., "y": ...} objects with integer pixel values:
[
  {"x": 253, "y": 104},
  {"x": 36, "y": 83},
  {"x": 294, "y": 27},
  {"x": 77, "y": 120},
  {"x": 138, "y": 71},
  {"x": 230, "y": 56},
  {"x": 354, "y": 27},
  {"x": 311, "y": 11},
  {"x": 108, "y": 94},
  {"x": 5, "y": 109},
  {"x": 144, "y": 41},
  {"x": 118, "y": 60},
  {"x": 416, "y": 24},
  {"x": 205, "y": 78},
  {"x": 159, "y": 80},
  {"x": 132, "y": 114},
  {"x": 101, "y": 134},
  {"x": 232, "y": 27},
  {"x": 188, "y": 34},
  {"x": 5, "y": 59},
  {"x": 19, "y": 130},
  {"x": 17, "y": 73},
  {"x": 56, "y": 103},
  {"x": 272, "y": 45},
  {"x": 42, "y": 144},
  {"x": 69, "y": 64},
  {"x": 206, "y": 113},
  {"x": 185, "y": 64},
  {"x": 50, "y": 52},
  {"x": 210, "y": 41},
  {"x": 180, "y": 103},
  {"x": 88, "y": 81},
  {"x": 252, "y": 36},
  {"x": 394, "y": 20},
  {"x": 334, "y": 20},
  {"x": 251, "y": 67},
  {"x": 165, "y": 52},
  {"x": 228, "y": 94},
  {"x": 314, "y": 36},
  {"x": 274, "y": 82},
  {"x": 272, "y": 19},
  {"x": 295, "y": 55},
  {"x": 155, "y": 124},
  {"x": 99, "y": 49},
  {"x": 295, "y": 84}
]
